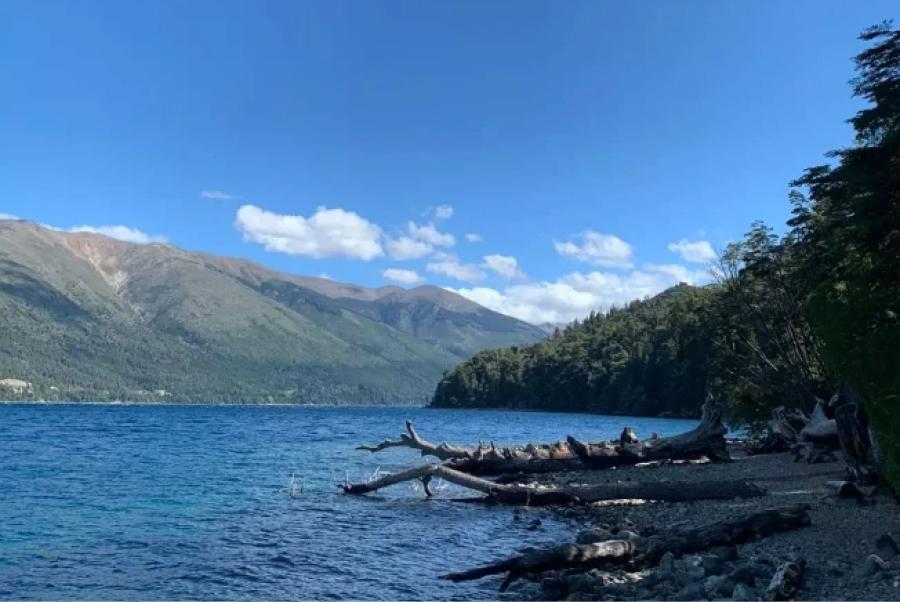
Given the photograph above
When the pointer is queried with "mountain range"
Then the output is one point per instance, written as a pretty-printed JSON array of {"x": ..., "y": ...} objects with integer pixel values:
[{"x": 87, "y": 317}]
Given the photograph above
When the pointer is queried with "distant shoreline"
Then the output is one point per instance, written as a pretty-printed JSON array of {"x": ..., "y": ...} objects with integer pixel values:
[
  {"x": 201, "y": 403},
  {"x": 326, "y": 405}
]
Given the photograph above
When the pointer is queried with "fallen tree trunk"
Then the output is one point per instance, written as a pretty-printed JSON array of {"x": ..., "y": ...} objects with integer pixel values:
[
  {"x": 642, "y": 551},
  {"x": 707, "y": 439},
  {"x": 519, "y": 494},
  {"x": 488, "y": 459}
]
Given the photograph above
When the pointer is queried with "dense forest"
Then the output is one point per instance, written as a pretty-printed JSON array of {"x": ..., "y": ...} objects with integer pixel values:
[
  {"x": 791, "y": 316},
  {"x": 647, "y": 358}
]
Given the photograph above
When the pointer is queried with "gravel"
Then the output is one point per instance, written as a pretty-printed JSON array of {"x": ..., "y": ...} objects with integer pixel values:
[{"x": 837, "y": 549}]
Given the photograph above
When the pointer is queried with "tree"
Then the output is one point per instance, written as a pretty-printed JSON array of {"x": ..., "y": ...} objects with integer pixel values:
[{"x": 851, "y": 237}]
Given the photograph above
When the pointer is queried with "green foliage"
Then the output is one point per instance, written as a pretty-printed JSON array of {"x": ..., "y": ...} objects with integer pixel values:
[
  {"x": 851, "y": 231},
  {"x": 772, "y": 355},
  {"x": 651, "y": 357}
]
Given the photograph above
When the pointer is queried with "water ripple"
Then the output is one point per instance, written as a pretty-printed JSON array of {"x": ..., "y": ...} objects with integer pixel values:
[{"x": 178, "y": 502}]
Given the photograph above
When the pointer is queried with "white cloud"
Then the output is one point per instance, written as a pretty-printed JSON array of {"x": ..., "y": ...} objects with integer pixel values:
[
  {"x": 680, "y": 273},
  {"x": 406, "y": 248},
  {"x": 504, "y": 265},
  {"x": 431, "y": 235},
  {"x": 218, "y": 195},
  {"x": 449, "y": 265},
  {"x": 604, "y": 250},
  {"x": 325, "y": 276},
  {"x": 402, "y": 276},
  {"x": 123, "y": 233},
  {"x": 8, "y": 216},
  {"x": 575, "y": 295},
  {"x": 474, "y": 237},
  {"x": 443, "y": 212},
  {"x": 327, "y": 233},
  {"x": 700, "y": 251}
]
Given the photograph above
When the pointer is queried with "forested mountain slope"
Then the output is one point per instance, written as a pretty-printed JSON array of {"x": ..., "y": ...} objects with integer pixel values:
[
  {"x": 650, "y": 357},
  {"x": 83, "y": 316}
]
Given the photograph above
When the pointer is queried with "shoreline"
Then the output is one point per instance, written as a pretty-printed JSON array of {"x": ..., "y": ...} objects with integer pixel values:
[{"x": 834, "y": 549}]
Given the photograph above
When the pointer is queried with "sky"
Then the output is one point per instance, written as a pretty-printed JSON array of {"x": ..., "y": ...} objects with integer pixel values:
[{"x": 544, "y": 159}]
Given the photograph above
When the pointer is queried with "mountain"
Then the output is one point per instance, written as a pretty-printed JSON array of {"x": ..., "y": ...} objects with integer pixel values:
[{"x": 87, "y": 317}]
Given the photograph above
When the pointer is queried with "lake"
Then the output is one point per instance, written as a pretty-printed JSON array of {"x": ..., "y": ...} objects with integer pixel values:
[{"x": 185, "y": 502}]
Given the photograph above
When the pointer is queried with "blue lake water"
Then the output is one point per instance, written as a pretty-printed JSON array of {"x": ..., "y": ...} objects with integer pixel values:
[{"x": 186, "y": 502}]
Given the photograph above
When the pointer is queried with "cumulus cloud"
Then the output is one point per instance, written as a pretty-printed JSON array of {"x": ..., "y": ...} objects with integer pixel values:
[
  {"x": 504, "y": 265},
  {"x": 8, "y": 216},
  {"x": 450, "y": 266},
  {"x": 474, "y": 237},
  {"x": 404, "y": 247},
  {"x": 604, "y": 250},
  {"x": 443, "y": 212},
  {"x": 680, "y": 273},
  {"x": 402, "y": 276},
  {"x": 123, "y": 233},
  {"x": 575, "y": 295},
  {"x": 218, "y": 195},
  {"x": 700, "y": 251},
  {"x": 431, "y": 235},
  {"x": 326, "y": 233}
]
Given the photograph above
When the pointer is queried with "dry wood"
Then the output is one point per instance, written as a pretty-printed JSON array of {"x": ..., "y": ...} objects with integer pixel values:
[
  {"x": 530, "y": 459},
  {"x": 643, "y": 551},
  {"x": 811, "y": 438},
  {"x": 781, "y": 426},
  {"x": 628, "y": 436},
  {"x": 785, "y": 582},
  {"x": 707, "y": 439},
  {"x": 819, "y": 429},
  {"x": 813, "y": 453},
  {"x": 519, "y": 494},
  {"x": 488, "y": 459},
  {"x": 850, "y": 489},
  {"x": 412, "y": 439}
]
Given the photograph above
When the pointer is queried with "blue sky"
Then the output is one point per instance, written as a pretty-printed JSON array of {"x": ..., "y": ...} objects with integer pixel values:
[{"x": 591, "y": 150}]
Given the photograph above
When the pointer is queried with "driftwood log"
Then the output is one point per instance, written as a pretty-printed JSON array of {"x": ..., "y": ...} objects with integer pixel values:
[
  {"x": 812, "y": 438},
  {"x": 706, "y": 440},
  {"x": 779, "y": 437},
  {"x": 785, "y": 582},
  {"x": 487, "y": 460},
  {"x": 819, "y": 428},
  {"x": 411, "y": 439},
  {"x": 642, "y": 552},
  {"x": 531, "y": 495}
]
